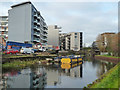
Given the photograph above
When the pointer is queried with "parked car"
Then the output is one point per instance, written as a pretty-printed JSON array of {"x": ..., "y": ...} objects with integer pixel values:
[
  {"x": 35, "y": 50},
  {"x": 26, "y": 50},
  {"x": 50, "y": 49},
  {"x": 11, "y": 51},
  {"x": 40, "y": 49}
]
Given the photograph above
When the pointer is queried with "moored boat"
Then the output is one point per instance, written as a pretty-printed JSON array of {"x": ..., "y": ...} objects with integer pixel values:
[{"x": 71, "y": 59}]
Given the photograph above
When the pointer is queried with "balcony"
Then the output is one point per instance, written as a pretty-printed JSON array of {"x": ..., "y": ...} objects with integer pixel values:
[
  {"x": 35, "y": 21},
  {"x": 38, "y": 23},
  {"x": 36, "y": 28},
  {"x": 38, "y": 17},
  {"x": 45, "y": 26},
  {"x": 35, "y": 15},
  {"x": 43, "y": 39},
  {"x": 36, "y": 39},
  {"x": 44, "y": 30},
  {"x": 37, "y": 34},
  {"x": 43, "y": 34}
]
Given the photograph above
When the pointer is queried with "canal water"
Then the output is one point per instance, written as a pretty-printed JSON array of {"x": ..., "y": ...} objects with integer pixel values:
[{"x": 57, "y": 75}]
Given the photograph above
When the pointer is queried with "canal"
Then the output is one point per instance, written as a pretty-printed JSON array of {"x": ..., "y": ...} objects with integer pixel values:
[{"x": 57, "y": 75}]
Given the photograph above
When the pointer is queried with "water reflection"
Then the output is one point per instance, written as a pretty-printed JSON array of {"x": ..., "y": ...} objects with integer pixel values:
[
  {"x": 57, "y": 75},
  {"x": 26, "y": 78},
  {"x": 71, "y": 71}
]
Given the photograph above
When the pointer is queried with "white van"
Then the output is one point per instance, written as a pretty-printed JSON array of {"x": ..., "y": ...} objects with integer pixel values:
[{"x": 26, "y": 50}]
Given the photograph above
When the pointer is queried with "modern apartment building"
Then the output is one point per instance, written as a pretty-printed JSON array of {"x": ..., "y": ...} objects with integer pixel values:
[
  {"x": 106, "y": 37},
  {"x": 53, "y": 35},
  {"x": 3, "y": 29},
  {"x": 71, "y": 41},
  {"x": 104, "y": 40},
  {"x": 26, "y": 24},
  {"x": 64, "y": 41},
  {"x": 76, "y": 41}
]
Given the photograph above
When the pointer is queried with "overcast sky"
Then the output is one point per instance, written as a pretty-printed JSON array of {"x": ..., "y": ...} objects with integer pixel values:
[{"x": 92, "y": 18}]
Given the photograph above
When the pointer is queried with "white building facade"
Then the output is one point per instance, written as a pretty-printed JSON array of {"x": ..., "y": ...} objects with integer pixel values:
[
  {"x": 71, "y": 41},
  {"x": 53, "y": 35}
]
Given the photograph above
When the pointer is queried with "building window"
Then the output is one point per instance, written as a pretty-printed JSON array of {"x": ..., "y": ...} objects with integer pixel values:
[
  {"x": 75, "y": 36},
  {"x": 55, "y": 26},
  {"x": 75, "y": 33}
]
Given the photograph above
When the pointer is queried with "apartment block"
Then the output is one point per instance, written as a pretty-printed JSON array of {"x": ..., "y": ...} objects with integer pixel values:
[
  {"x": 106, "y": 41},
  {"x": 64, "y": 41},
  {"x": 106, "y": 38},
  {"x": 53, "y": 35},
  {"x": 3, "y": 29},
  {"x": 71, "y": 41},
  {"x": 26, "y": 24},
  {"x": 76, "y": 41}
]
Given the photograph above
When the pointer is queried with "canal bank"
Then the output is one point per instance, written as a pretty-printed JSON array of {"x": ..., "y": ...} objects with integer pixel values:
[
  {"x": 17, "y": 65},
  {"x": 58, "y": 75},
  {"x": 108, "y": 58},
  {"x": 108, "y": 80},
  {"x": 11, "y": 58}
]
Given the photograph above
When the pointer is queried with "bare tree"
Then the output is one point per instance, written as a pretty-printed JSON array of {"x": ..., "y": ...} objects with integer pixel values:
[
  {"x": 109, "y": 43},
  {"x": 100, "y": 43},
  {"x": 114, "y": 45}
]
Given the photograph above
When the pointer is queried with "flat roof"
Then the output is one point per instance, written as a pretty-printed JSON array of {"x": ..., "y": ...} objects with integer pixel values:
[
  {"x": 4, "y": 16},
  {"x": 21, "y": 4},
  {"x": 108, "y": 33},
  {"x": 76, "y": 32}
]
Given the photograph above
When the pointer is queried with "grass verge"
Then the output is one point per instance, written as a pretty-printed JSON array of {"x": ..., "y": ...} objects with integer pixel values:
[
  {"x": 108, "y": 80},
  {"x": 19, "y": 64},
  {"x": 108, "y": 56}
]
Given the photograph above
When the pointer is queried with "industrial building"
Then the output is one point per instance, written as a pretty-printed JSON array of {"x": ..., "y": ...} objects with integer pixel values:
[
  {"x": 53, "y": 35},
  {"x": 26, "y": 25},
  {"x": 16, "y": 45},
  {"x": 71, "y": 41}
]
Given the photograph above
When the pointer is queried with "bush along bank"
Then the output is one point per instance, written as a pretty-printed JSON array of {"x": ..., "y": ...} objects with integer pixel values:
[
  {"x": 21, "y": 64},
  {"x": 108, "y": 80},
  {"x": 108, "y": 58}
]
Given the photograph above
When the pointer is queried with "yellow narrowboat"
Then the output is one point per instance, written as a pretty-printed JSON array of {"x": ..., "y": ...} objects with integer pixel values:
[{"x": 71, "y": 59}]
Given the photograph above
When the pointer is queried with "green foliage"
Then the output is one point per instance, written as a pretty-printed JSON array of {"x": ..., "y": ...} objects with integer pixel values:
[
  {"x": 108, "y": 56},
  {"x": 19, "y": 64},
  {"x": 86, "y": 48}
]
